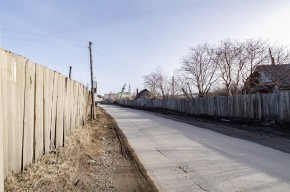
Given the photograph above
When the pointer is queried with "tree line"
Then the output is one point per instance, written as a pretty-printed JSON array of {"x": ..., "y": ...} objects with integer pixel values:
[{"x": 221, "y": 69}]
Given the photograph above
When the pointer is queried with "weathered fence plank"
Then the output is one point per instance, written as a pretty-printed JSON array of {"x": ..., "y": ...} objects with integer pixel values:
[
  {"x": 47, "y": 98},
  {"x": 65, "y": 110},
  {"x": 38, "y": 113},
  {"x": 53, "y": 111},
  {"x": 28, "y": 114},
  {"x": 68, "y": 107},
  {"x": 1, "y": 127},
  {"x": 20, "y": 87},
  {"x": 73, "y": 117},
  {"x": 59, "y": 111},
  {"x": 8, "y": 95}
]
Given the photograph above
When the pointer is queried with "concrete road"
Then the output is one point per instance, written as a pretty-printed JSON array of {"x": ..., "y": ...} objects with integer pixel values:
[{"x": 182, "y": 157}]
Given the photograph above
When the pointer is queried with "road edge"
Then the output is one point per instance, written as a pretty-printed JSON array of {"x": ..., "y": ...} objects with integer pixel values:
[{"x": 129, "y": 152}]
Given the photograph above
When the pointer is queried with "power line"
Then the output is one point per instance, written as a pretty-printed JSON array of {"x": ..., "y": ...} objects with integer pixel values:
[
  {"x": 111, "y": 53},
  {"x": 118, "y": 60},
  {"x": 43, "y": 35},
  {"x": 46, "y": 42}
]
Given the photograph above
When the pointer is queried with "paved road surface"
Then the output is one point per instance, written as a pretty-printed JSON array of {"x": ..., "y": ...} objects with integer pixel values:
[{"x": 182, "y": 157}]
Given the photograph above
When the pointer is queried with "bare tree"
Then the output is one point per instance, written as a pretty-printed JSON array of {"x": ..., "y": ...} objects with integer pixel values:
[
  {"x": 174, "y": 87},
  {"x": 151, "y": 83},
  {"x": 231, "y": 61},
  {"x": 280, "y": 53},
  {"x": 256, "y": 53},
  {"x": 199, "y": 68},
  {"x": 158, "y": 83},
  {"x": 183, "y": 84}
]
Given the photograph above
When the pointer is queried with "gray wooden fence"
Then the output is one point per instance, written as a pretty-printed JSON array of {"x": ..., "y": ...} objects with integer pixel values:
[
  {"x": 38, "y": 109},
  {"x": 261, "y": 107}
]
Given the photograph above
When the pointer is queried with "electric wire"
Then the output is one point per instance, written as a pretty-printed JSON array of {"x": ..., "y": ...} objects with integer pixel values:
[
  {"x": 43, "y": 35},
  {"x": 117, "y": 59},
  {"x": 46, "y": 42}
]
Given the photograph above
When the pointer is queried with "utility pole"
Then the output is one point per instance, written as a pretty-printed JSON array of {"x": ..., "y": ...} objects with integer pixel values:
[
  {"x": 92, "y": 82},
  {"x": 70, "y": 67}
]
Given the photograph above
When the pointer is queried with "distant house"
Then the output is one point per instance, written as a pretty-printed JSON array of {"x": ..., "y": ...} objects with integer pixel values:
[
  {"x": 144, "y": 94},
  {"x": 269, "y": 79}
]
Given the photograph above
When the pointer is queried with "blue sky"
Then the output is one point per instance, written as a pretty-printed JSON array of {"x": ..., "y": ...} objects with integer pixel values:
[{"x": 131, "y": 37}]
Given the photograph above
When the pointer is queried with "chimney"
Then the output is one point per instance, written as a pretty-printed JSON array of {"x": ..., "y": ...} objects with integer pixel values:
[{"x": 272, "y": 58}]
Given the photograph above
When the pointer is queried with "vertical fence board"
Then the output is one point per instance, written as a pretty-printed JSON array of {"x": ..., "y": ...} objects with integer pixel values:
[
  {"x": 38, "y": 111},
  {"x": 28, "y": 113},
  {"x": 8, "y": 95},
  {"x": 264, "y": 107},
  {"x": 69, "y": 104},
  {"x": 65, "y": 111},
  {"x": 73, "y": 125},
  {"x": 1, "y": 127},
  {"x": 47, "y": 96},
  {"x": 77, "y": 105},
  {"x": 282, "y": 107},
  {"x": 19, "y": 105},
  {"x": 288, "y": 106},
  {"x": 59, "y": 111},
  {"x": 274, "y": 100},
  {"x": 53, "y": 112}
]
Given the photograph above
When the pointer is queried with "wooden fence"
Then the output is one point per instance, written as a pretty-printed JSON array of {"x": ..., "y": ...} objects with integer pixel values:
[
  {"x": 38, "y": 110},
  {"x": 261, "y": 107}
]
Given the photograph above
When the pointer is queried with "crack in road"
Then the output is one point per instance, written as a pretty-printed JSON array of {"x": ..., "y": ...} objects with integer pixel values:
[
  {"x": 160, "y": 152},
  {"x": 183, "y": 169},
  {"x": 201, "y": 187}
]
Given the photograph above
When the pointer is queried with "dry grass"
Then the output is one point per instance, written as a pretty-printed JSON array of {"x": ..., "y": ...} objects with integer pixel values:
[
  {"x": 60, "y": 165},
  {"x": 90, "y": 161}
]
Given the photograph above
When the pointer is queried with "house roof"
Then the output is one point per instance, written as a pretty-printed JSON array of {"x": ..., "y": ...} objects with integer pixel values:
[
  {"x": 140, "y": 93},
  {"x": 278, "y": 74}
]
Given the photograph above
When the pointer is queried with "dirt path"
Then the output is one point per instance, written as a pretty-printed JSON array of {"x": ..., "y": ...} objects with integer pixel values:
[{"x": 96, "y": 158}]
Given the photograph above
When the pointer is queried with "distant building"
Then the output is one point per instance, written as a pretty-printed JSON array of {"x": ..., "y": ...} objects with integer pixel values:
[
  {"x": 117, "y": 96},
  {"x": 125, "y": 95},
  {"x": 269, "y": 79},
  {"x": 144, "y": 94},
  {"x": 111, "y": 96}
]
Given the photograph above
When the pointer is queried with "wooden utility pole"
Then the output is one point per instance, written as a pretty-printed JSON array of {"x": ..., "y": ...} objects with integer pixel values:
[
  {"x": 70, "y": 67},
  {"x": 92, "y": 83}
]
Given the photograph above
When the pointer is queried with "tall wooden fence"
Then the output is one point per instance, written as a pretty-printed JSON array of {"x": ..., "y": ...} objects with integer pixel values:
[
  {"x": 261, "y": 107},
  {"x": 38, "y": 110}
]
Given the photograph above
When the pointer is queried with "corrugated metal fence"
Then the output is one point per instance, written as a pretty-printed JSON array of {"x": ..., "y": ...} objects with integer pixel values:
[
  {"x": 38, "y": 109},
  {"x": 261, "y": 107}
]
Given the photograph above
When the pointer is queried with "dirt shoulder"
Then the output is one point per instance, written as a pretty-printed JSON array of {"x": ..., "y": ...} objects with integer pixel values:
[
  {"x": 271, "y": 135},
  {"x": 96, "y": 157}
]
